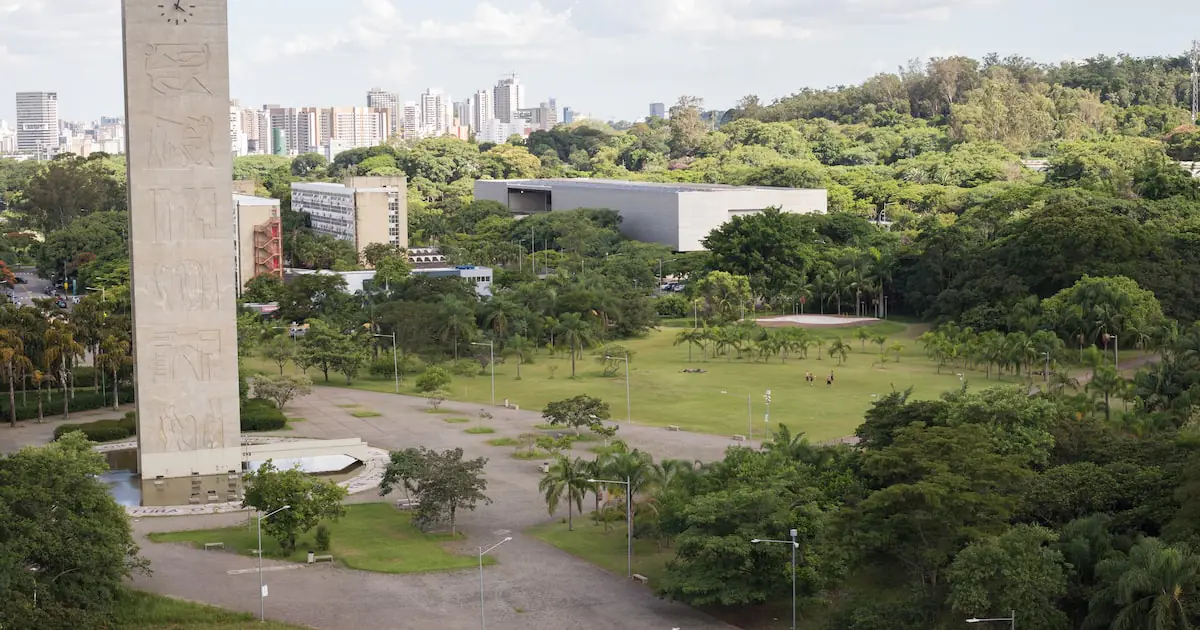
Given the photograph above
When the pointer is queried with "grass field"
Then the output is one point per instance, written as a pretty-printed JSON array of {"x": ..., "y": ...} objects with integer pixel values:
[
  {"x": 607, "y": 550},
  {"x": 716, "y": 401},
  {"x": 137, "y": 610},
  {"x": 371, "y": 537}
]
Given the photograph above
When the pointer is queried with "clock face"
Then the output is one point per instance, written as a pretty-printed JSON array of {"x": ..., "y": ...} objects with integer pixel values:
[{"x": 176, "y": 13}]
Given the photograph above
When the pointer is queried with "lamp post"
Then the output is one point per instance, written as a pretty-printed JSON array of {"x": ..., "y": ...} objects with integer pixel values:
[
  {"x": 262, "y": 593},
  {"x": 1116, "y": 353},
  {"x": 1011, "y": 618},
  {"x": 628, "y": 400},
  {"x": 628, "y": 519},
  {"x": 395, "y": 359},
  {"x": 795, "y": 545},
  {"x": 491, "y": 364},
  {"x": 482, "y": 552},
  {"x": 103, "y": 291}
]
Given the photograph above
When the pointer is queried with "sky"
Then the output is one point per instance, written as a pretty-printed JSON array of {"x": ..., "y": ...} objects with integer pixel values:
[{"x": 606, "y": 58}]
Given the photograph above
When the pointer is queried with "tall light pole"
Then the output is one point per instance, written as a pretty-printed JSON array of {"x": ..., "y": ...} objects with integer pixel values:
[
  {"x": 795, "y": 545},
  {"x": 767, "y": 414},
  {"x": 1012, "y": 618},
  {"x": 483, "y": 552},
  {"x": 1116, "y": 353},
  {"x": 395, "y": 359},
  {"x": 628, "y": 519},
  {"x": 628, "y": 400},
  {"x": 749, "y": 417},
  {"x": 262, "y": 593},
  {"x": 491, "y": 364}
]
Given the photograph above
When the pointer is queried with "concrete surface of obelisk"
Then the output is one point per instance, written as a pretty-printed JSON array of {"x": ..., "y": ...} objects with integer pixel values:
[{"x": 181, "y": 238}]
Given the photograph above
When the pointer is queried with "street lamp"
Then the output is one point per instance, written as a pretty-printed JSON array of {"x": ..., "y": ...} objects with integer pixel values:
[
  {"x": 482, "y": 552},
  {"x": 749, "y": 417},
  {"x": 1012, "y": 618},
  {"x": 491, "y": 364},
  {"x": 628, "y": 400},
  {"x": 262, "y": 592},
  {"x": 1046, "y": 374},
  {"x": 628, "y": 519},
  {"x": 1116, "y": 353},
  {"x": 103, "y": 291},
  {"x": 795, "y": 545},
  {"x": 395, "y": 360}
]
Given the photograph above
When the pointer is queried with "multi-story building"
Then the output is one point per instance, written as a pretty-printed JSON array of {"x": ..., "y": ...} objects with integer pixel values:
[
  {"x": 658, "y": 110},
  {"x": 355, "y": 127},
  {"x": 362, "y": 210},
  {"x": 677, "y": 215},
  {"x": 410, "y": 126},
  {"x": 37, "y": 123},
  {"x": 238, "y": 140},
  {"x": 8, "y": 139},
  {"x": 568, "y": 116},
  {"x": 541, "y": 118},
  {"x": 508, "y": 97},
  {"x": 258, "y": 239},
  {"x": 483, "y": 109},
  {"x": 434, "y": 120},
  {"x": 390, "y": 101},
  {"x": 462, "y": 113},
  {"x": 497, "y": 132}
]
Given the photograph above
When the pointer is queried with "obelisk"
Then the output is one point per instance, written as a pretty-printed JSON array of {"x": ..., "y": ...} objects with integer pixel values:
[{"x": 181, "y": 237}]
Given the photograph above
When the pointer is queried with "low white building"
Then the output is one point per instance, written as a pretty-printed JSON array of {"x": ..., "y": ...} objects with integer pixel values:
[
  {"x": 677, "y": 215},
  {"x": 362, "y": 210},
  {"x": 357, "y": 281}
]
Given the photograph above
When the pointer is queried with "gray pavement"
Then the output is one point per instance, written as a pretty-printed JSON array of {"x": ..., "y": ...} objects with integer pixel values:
[{"x": 533, "y": 586}]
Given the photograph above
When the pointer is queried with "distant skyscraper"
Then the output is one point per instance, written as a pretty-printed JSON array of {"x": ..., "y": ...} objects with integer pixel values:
[
  {"x": 389, "y": 101},
  {"x": 568, "y": 116},
  {"x": 483, "y": 109},
  {"x": 509, "y": 97},
  {"x": 410, "y": 120},
  {"x": 37, "y": 122},
  {"x": 658, "y": 110},
  {"x": 355, "y": 127},
  {"x": 462, "y": 112},
  {"x": 434, "y": 106}
]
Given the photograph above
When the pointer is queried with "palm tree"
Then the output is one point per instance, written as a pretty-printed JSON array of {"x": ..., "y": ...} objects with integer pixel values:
[
  {"x": 61, "y": 351},
  {"x": 40, "y": 379},
  {"x": 839, "y": 349},
  {"x": 575, "y": 333},
  {"x": 896, "y": 349},
  {"x": 693, "y": 337},
  {"x": 457, "y": 318},
  {"x": 523, "y": 348},
  {"x": 1151, "y": 588},
  {"x": 114, "y": 355},
  {"x": 881, "y": 341},
  {"x": 819, "y": 342},
  {"x": 567, "y": 477},
  {"x": 1106, "y": 382},
  {"x": 12, "y": 357}
]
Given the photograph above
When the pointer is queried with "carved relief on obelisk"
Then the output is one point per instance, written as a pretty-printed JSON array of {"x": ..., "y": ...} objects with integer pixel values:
[{"x": 180, "y": 191}]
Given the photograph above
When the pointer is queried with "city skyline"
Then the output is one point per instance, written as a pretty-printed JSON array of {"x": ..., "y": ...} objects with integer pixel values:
[{"x": 610, "y": 60}]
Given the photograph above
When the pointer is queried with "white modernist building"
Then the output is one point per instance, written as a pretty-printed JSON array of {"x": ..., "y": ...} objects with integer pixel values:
[
  {"x": 677, "y": 215},
  {"x": 357, "y": 281},
  {"x": 362, "y": 210}
]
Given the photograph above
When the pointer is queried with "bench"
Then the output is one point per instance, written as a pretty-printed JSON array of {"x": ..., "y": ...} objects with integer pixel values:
[
  {"x": 641, "y": 578},
  {"x": 217, "y": 545},
  {"x": 324, "y": 558},
  {"x": 406, "y": 504},
  {"x": 739, "y": 438},
  {"x": 672, "y": 427}
]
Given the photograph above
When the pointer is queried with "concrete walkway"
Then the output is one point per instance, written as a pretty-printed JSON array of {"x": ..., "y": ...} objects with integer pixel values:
[{"x": 533, "y": 587}]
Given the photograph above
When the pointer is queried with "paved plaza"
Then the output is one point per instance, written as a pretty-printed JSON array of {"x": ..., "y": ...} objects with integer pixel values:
[{"x": 533, "y": 586}]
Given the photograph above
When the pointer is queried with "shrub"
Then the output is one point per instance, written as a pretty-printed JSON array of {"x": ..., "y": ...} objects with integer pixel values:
[
  {"x": 323, "y": 538},
  {"x": 672, "y": 306},
  {"x": 259, "y": 414},
  {"x": 433, "y": 379},
  {"x": 465, "y": 367},
  {"x": 102, "y": 430},
  {"x": 86, "y": 399},
  {"x": 382, "y": 366},
  {"x": 480, "y": 430}
]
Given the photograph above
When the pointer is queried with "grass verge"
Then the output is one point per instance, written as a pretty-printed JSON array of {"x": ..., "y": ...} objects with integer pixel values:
[
  {"x": 504, "y": 441},
  {"x": 480, "y": 430},
  {"x": 139, "y": 610},
  {"x": 365, "y": 414},
  {"x": 456, "y": 420}
]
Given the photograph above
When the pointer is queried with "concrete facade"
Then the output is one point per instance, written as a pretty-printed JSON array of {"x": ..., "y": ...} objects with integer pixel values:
[
  {"x": 182, "y": 267},
  {"x": 258, "y": 239},
  {"x": 362, "y": 210},
  {"x": 677, "y": 215},
  {"x": 356, "y": 281}
]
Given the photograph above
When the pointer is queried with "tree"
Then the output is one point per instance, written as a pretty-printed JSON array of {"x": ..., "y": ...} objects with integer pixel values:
[
  {"x": 566, "y": 477},
  {"x": 52, "y": 499},
  {"x": 725, "y": 295},
  {"x": 282, "y": 389},
  {"x": 353, "y": 354},
  {"x": 113, "y": 357},
  {"x": 522, "y": 348},
  {"x": 443, "y": 483},
  {"x": 575, "y": 333},
  {"x": 68, "y": 187},
  {"x": 576, "y": 412},
  {"x": 774, "y": 249},
  {"x": 839, "y": 349},
  {"x": 311, "y": 501},
  {"x": 14, "y": 362},
  {"x": 323, "y": 347},
  {"x": 434, "y": 378},
  {"x": 1019, "y": 570},
  {"x": 1151, "y": 587},
  {"x": 279, "y": 350}
]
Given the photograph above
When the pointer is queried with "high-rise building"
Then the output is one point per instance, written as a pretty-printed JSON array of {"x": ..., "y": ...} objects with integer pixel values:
[
  {"x": 355, "y": 127},
  {"x": 389, "y": 101},
  {"x": 410, "y": 125},
  {"x": 434, "y": 120},
  {"x": 37, "y": 122},
  {"x": 483, "y": 109},
  {"x": 462, "y": 113},
  {"x": 568, "y": 116},
  {"x": 658, "y": 110},
  {"x": 509, "y": 96},
  {"x": 238, "y": 140},
  {"x": 8, "y": 138}
]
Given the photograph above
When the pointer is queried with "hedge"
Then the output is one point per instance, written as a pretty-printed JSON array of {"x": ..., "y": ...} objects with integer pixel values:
[
  {"x": 86, "y": 399},
  {"x": 259, "y": 414},
  {"x": 256, "y": 415}
]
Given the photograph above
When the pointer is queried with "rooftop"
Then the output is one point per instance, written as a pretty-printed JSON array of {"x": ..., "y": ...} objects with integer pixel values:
[
  {"x": 251, "y": 200},
  {"x": 336, "y": 187},
  {"x": 548, "y": 184}
]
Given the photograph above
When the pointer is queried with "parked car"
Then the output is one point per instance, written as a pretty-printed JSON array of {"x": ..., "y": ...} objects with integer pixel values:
[{"x": 20, "y": 280}]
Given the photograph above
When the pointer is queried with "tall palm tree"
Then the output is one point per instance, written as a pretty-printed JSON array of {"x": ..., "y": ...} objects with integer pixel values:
[
  {"x": 839, "y": 349},
  {"x": 40, "y": 379},
  {"x": 1106, "y": 382},
  {"x": 14, "y": 361},
  {"x": 693, "y": 337},
  {"x": 567, "y": 477},
  {"x": 862, "y": 335},
  {"x": 1151, "y": 588},
  {"x": 114, "y": 355},
  {"x": 523, "y": 348},
  {"x": 576, "y": 334},
  {"x": 457, "y": 319},
  {"x": 61, "y": 351}
]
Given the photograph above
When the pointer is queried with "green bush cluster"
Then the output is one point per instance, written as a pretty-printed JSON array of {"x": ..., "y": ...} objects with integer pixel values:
[
  {"x": 262, "y": 415},
  {"x": 434, "y": 378},
  {"x": 102, "y": 430},
  {"x": 85, "y": 399}
]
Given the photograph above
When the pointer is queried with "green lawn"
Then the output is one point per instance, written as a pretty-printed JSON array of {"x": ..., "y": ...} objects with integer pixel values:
[
  {"x": 716, "y": 401},
  {"x": 138, "y": 610},
  {"x": 607, "y": 550},
  {"x": 371, "y": 537},
  {"x": 365, "y": 414}
]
